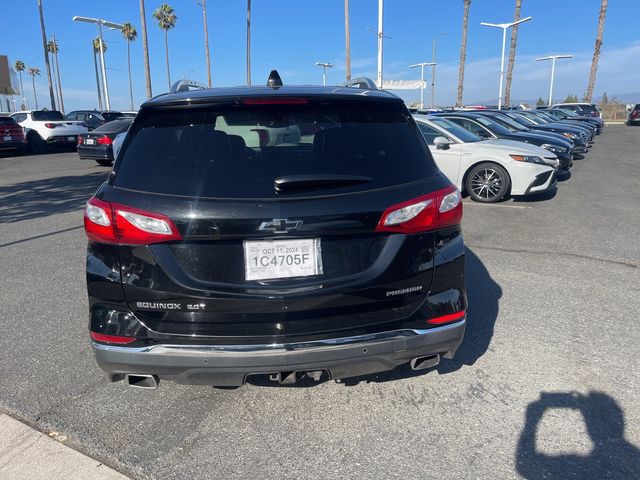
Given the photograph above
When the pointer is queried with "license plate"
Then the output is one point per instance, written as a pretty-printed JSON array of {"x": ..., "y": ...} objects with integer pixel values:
[
  {"x": 7, "y": 139},
  {"x": 71, "y": 139},
  {"x": 89, "y": 141},
  {"x": 282, "y": 259}
]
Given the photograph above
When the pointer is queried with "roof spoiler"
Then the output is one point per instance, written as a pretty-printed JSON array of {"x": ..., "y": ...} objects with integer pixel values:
[
  {"x": 361, "y": 82},
  {"x": 185, "y": 85}
]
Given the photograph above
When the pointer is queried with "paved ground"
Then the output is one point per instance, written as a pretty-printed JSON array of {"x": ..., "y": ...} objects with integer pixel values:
[{"x": 545, "y": 384}]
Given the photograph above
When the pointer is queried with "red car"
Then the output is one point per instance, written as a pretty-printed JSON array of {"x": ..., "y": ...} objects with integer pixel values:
[{"x": 11, "y": 135}]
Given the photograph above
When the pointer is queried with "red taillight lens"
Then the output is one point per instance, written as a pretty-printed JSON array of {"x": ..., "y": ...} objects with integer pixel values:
[
  {"x": 101, "y": 337},
  {"x": 106, "y": 222},
  {"x": 452, "y": 317},
  {"x": 50, "y": 125},
  {"x": 79, "y": 139},
  {"x": 104, "y": 140},
  {"x": 428, "y": 212}
]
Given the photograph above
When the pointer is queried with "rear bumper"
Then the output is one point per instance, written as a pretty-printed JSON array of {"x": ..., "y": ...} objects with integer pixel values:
[
  {"x": 230, "y": 365},
  {"x": 95, "y": 152}
]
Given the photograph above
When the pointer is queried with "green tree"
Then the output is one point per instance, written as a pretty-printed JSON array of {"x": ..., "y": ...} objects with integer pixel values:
[
  {"x": 166, "y": 18},
  {"x": 20, "y": 67},
  {"x": 571, "y": 98},
  {"x": 33, "y": 71},
  {"x": 53, "y": 49},
  {"x": 540, "y": 102},
  {"x": 130, "y": 34}
]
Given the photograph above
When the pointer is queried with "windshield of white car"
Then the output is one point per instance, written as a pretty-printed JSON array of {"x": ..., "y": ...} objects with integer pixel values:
[
  {"x": 456, "y": 130},
  {"x": 47, "y": 116}
]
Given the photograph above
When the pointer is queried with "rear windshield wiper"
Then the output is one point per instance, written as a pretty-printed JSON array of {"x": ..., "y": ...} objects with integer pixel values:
[{"x": 302, "y": 182}]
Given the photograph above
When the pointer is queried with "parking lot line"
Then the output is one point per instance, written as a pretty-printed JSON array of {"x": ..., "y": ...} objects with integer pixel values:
[{"x": 493, "y": 205}]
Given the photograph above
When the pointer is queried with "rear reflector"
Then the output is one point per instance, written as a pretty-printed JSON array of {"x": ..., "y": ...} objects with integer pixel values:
[
  {"x": 113, "y": 223},
  {"x": 276, "y": 101},
  {"x": 101, "y": 337},
  {"x": 452, "y": 317},
  {"x": 428, "y": 212}
]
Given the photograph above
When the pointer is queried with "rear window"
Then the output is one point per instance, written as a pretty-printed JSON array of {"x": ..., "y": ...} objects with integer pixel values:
[
  {"x": 47, "y": 116},
  {"x": 588, "y": 108},
  {"x": 115, "y": 126},
  {"x": 4, "y": 121},
  {"x": 238, "y": 152},
  {"x": 110, "y": 116}
]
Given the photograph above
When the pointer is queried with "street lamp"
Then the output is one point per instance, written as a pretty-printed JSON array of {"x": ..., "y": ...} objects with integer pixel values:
[
  {"x": 100, "y": 22},
  {"x": 553, "y": 59},
  {"x": 504, "y": 27},
  {"x": 433, "y": 69},
  {"x": 422, "y": 65},
  {"x": 324, "y": 70}
]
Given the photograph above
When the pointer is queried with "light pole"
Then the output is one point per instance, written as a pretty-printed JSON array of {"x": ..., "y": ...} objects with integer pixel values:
[
  {"x": 553, "y": 59},
  {"x": 504, "y": 27},
  {"x": 324, "y": 66},
  {"x": 380, "y": 38},
  {"x": 100, "y": 22},
  {"x": 433, "y": 69},
  {"x": 422, "y": 65}
]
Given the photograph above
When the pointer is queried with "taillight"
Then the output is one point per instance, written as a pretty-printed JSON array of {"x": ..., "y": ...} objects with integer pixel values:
[
  {"x": 276, "y": 101},
  {"x": 79, "y": 139},
  {"x": 50, "y": 125},
  {"x": 113, "y": 223},
  {"x": 117, "y": 339},
  {"x": 104, "y": 140},
  {"x": 452, "y": 317},
  {"x": 428, "y": 212},
  {"x": 263, "y": 136}
]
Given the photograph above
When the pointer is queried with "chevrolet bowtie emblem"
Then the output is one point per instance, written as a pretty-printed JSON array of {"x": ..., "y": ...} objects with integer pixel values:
[{"x": 280, "y": 225}]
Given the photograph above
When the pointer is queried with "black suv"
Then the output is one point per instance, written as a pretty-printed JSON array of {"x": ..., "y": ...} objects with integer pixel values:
[
  {"x": 93, "y": 118},
  {"x": 284, "y": 231}
]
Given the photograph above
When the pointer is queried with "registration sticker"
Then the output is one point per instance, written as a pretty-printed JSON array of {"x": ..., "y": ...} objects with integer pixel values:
[{"x": 282, "y": 258}]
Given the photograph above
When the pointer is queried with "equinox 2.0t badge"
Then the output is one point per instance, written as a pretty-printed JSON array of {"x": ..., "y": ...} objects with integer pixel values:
[{"x": 280, "y": 225}]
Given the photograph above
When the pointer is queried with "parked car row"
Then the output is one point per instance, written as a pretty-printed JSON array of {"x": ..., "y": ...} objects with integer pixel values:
[{"x": 491, "y": 154}]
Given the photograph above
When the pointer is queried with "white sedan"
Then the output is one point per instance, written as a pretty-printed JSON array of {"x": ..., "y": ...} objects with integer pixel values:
[{"x": 488, "y": 170}]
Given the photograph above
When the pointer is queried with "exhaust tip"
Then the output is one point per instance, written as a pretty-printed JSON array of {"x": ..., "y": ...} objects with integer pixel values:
[
  {"x": 142, "y": 380},
  {"x": 422, "y": 363}
]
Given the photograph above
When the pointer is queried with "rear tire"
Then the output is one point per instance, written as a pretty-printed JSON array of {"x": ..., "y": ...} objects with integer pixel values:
[
  {"x": 36, "y": 143},
  {"x": 488, "y": 183},
  {"x": 104, "y": 163}
]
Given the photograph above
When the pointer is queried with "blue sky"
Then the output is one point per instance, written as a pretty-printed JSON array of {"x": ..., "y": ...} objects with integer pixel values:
[{"x": 291, "y": 35}]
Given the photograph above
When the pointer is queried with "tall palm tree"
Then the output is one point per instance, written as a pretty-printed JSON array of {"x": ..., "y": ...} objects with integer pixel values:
[
  {"x": 96, "y": 51},
  {"x": 33, "y": 71},
  {"x": 145, "y": 48},
  {"x": 53, "y": 48},
  {"x": 596, "y": 51},
  {"x": 166, "y": 18},
  {"x": 512, "y": 54},
  {"x": 249, "y": 42},
  {"x": 46, "y": 55},
  {"x": 130, "y": 34},
  {"x": 463, "y": 51},
  {"x": 20, "y": 67}
]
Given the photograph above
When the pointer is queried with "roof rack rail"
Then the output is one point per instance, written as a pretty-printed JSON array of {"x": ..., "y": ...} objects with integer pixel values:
[
  {"x": 361, "y": 82},
  {"x": 185, "y": 85}
]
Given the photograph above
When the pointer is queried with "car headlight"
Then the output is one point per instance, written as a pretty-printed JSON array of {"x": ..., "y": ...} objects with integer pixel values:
[
  {"x": 554, "y": 148},
  {"x": 528, "y": 158},
  {"x": 572, "y": 136}
]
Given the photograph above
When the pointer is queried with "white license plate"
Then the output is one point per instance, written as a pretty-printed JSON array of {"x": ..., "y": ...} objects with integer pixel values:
[
  {"x": 7, "y": 139},
  {"x": 71, "y": 139},
  {"x": 89, "y": 141},
  {"x": 282, "y": 259}
]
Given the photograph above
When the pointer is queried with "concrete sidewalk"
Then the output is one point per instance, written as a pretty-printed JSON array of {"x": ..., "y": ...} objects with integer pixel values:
[{"x": 26, "y": 453}]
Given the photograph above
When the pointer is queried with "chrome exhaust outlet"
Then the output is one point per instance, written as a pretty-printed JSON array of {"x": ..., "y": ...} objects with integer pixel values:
[
  {"x": 421, "y": 363},
  {"x": 142, "y": 380}
]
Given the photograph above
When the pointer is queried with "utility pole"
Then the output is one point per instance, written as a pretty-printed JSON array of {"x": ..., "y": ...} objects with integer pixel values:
[
  {"x": 206, "y": 40},
  {"x": 46, "y": 56},
  {"x": 249, "y": 42},
  {"x": 380, "y": 41},
  {"x": 58, "y": 70},
  {"x": 347, "y": 34}
]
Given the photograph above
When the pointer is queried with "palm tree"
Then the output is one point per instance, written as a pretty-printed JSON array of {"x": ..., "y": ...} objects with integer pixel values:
[
  {"x": 53, "y": 48},
  {"x": 166, "y": 18},
  {"x": 596, "y": 51},
  {"x": 130, "y": 33},
  {"x": 145, "y": 48},
  {"x": 20, "y": 67},
  {"x": 33, "y": 71},
  {"x": 512, "y": 54},
  {"x": 46, "y": 55},
  {"x": 249, "y": 42},
  {"x": 463, "y": 51},
  {"x": 96, "y": 50}
]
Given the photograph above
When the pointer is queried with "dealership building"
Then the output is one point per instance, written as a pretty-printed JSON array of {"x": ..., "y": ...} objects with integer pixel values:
[{"x": 9, "y": 86}]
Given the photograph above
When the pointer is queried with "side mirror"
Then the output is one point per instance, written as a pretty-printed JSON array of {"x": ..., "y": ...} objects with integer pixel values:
[{"x": 441, "y": 143}]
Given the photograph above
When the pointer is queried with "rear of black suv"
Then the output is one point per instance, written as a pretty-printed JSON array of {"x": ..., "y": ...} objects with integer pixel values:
[{"x": 270, "y": 231}]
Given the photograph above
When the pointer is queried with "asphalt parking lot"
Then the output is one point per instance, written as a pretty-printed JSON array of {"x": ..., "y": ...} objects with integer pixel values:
[{"x": 545, "y": 384}]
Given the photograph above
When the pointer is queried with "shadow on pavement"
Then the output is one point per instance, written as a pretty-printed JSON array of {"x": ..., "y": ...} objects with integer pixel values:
[
  {"x": 612, "y": 456},
  {"x": 48, "y": 196},
  {"x": 483, "y": 294},
  {"x": 537, "y": 197}
]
